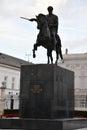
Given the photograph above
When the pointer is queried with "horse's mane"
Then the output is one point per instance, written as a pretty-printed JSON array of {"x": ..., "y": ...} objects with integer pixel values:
[{"x": 42, "y": 16}]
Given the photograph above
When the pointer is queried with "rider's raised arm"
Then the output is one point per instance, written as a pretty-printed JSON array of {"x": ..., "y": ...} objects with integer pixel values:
[{"x": 33, "y": 19}]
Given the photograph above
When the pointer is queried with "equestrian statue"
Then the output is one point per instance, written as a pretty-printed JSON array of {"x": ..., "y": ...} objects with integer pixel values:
[{"x": 47, "y": 36}]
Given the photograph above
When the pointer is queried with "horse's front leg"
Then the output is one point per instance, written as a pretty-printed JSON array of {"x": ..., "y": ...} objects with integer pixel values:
[
  {"x": 35, "y": 46},
  {"x": 34, "y": 55},
  {"x": 34, "y": 49}
]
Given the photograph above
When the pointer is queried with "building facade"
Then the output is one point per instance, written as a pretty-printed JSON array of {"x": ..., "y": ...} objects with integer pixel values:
[
  {"x": 9, "y": 81},
  {"x": 78, "y": 64}
]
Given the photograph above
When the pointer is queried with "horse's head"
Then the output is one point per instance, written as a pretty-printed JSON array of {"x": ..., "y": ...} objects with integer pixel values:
[
  {"x": 41, "y": 20},
  {"x": 42, "y": 25}
]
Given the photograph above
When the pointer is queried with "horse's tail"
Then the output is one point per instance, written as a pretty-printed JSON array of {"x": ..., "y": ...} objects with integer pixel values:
[{"x": 58, "y": 40}]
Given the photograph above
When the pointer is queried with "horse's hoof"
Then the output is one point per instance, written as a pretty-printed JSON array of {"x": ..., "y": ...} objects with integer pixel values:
[
  {"x": 56, "y": 62},
  {"x": 62, "y": 61}
]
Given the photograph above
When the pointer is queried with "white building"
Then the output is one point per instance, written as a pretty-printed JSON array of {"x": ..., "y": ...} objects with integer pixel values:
[
  {"x": 78, "y": 64},
  {"x": 9, "y": 81}
]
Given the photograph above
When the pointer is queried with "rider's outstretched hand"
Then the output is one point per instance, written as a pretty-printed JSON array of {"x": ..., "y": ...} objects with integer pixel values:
[{"x": 32, "y": 19}]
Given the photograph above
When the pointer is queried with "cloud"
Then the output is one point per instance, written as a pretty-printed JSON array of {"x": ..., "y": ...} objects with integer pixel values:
[
  {"x": 11, "y": 8},
  {"x": 19, "y": 34}
]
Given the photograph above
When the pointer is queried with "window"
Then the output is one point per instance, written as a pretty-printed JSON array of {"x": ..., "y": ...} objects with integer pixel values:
[
  {"x": 5, "y": 80},
  {"x": 13, "y": 83},
  {"x": 82, "y": 103},
  {"x": 83, "y": 82}
]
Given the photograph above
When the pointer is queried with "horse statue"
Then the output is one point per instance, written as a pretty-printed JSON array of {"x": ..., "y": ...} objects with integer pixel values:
[{"x": 45, "y": 39}]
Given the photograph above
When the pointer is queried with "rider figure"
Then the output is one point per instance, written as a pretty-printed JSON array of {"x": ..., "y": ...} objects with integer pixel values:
[{"x": 52, "y": 23}]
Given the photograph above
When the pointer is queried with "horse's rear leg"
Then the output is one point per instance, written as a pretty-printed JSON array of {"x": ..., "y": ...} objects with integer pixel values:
[
  {"x": 51, "y": 57},
  {"x": 48, "y": 62},
  {"x": 57, "y": 56},
  {"x": 49, "y": 54}
]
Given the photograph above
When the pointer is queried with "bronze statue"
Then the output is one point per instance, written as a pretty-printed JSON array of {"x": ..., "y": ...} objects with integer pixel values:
[{"x": 47, "y": 36}]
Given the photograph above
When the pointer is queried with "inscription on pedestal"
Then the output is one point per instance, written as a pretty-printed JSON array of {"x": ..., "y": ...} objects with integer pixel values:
[{"x": 36, "y": 88}]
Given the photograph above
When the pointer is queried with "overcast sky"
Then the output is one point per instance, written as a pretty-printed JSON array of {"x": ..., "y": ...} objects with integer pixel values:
[{"x": 17, "y": 36}]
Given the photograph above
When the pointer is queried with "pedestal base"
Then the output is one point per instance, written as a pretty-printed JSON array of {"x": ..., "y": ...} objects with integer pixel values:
[{"x": 43, "y": 124}]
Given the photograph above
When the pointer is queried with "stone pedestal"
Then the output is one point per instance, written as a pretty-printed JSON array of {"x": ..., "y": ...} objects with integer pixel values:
[{"x": 47, "y": 91}]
